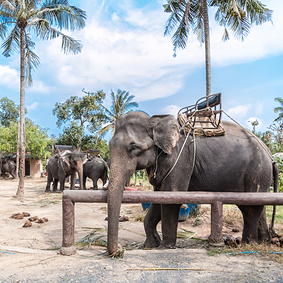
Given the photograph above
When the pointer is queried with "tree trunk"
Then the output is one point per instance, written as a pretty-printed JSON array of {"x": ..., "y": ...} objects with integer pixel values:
[
  {"x": 20, "y": 191},
  {"x": 18, "y": 154},
  {"x": 207, "y": 47}
]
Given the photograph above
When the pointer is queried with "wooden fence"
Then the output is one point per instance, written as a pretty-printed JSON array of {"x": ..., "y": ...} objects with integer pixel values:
[{"x": 216, "y": 199}]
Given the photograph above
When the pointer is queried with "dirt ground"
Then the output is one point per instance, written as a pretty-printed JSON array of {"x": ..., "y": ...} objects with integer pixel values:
[{"x": 31, "y": 254}]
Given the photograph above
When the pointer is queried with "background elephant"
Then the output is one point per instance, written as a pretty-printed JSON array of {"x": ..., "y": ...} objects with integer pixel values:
[
  {"x": 61, "y": 166},
  {"x": 8, "y": 166},
  {"x": 95, "y": 168},
  {"x": 234, "y": 162}
]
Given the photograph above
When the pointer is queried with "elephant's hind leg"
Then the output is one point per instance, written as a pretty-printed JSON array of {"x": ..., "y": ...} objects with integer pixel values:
[
  {"x": 151, "y": 220},
  {"x": 263, "y": 231},
  {"x": 251, "y": 215}
]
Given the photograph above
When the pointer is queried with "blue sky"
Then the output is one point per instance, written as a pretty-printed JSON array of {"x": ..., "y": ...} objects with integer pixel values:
[{"x": 124, "y": 48}]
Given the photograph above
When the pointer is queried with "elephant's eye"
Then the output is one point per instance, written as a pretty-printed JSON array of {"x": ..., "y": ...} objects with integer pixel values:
[{"x": 133, "y": 146}]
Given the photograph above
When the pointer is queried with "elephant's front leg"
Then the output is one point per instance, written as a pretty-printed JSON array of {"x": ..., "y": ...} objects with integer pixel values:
[
  {"x": 169, "y": 221},
  {"x": 151, "y": 220}
]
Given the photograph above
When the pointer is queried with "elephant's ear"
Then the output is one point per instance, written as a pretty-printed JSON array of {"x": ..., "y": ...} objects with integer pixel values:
[
  {"x": 65, "y": 158},
  {"x": 165, "y": 132}
]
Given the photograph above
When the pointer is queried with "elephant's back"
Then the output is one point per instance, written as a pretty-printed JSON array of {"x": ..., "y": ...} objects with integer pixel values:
[{"x": 236, "y": 161}]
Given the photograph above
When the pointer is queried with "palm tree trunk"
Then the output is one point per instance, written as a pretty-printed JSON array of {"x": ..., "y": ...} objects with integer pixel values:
[
  {"x": 207, "y": 47},
  {"x": 20, "y": 191}
]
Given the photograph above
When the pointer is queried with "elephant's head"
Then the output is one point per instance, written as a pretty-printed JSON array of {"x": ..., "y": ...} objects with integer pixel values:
[
  {"x": 133, "y": 147},
  {"x": 75, "y": 160}
]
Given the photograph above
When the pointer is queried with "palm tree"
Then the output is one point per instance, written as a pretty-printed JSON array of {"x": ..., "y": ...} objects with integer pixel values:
[
  {"x": 254, "y": 124},
  {"x": 121, "y": 104},
  {"x": 21, "y": 18},
  {"x": 279, "y": 109},
  {"x": 238, "y": 15}
]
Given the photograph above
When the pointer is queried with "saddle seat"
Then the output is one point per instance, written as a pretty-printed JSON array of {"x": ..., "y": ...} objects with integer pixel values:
[{"x": 204, "y": 117}]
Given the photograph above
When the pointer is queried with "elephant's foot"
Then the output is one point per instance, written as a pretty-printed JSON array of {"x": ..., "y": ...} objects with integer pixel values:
[
  {"x": 164, "y": 246},
  {"x": 152, "y": 241}
]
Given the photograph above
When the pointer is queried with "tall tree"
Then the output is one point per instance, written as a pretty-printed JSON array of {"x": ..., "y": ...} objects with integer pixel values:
[
  {"x": 36, "y": 144},
  {"x": 79, "y": 113},
  {"x": 121, "y": 104},
  {"x": 19, "y": 19},
  {"x": 237, "y": 15},
  {"x": 9, "y": 111}
]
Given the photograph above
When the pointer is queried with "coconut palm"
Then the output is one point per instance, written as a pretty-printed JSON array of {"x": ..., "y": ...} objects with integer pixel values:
[
  {"x": 19, "y": 20},
  {"x": 279, "y": 109},
  {"x": 121, "y": 104},
  {"x": 237, "y": 15}
]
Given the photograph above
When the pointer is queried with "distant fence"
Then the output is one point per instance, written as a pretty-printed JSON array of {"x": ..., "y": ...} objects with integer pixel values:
[{"x": 216, "y": 199}]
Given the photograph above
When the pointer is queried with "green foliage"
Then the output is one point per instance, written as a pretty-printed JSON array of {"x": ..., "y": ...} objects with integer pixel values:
[
  {"x": 78, "y": 114},
  {"x": 103, "y": 147},
  {"x": 36, "y": 140},
  {"x": 37, "y": 17},
  {"x": 84, "y": 110},
  {"x": 121, "y": 104},
  {"x": 279, "y": 163},
  {"x": 9, "y": 111},
  {"x": 234, "y": 15}
]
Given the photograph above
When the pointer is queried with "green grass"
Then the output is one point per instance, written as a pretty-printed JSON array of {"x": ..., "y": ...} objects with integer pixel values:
[{"x": 279, "y": 213}]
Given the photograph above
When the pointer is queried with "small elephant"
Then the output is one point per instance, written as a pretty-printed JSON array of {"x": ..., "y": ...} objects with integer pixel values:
[
  {"x": 8, "y": 166},
  {"x": 61, "y": 166},
  {"x": 95, "y": 168},
  {"x": 234, "y": 162}
]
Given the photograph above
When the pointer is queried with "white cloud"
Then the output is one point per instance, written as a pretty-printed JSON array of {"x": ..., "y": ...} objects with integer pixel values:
[
  {"x": 172, "y": 109},
  {"x": 33, "y": 106},
  {"x": 9, "y": 77},
  {"x": 131, "y": 53},
  {"x": 39, "y": 86},
  {"x": 239, "y": 111}
]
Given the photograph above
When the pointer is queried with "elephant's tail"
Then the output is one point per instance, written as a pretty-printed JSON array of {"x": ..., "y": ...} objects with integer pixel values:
[{"x": 275, "y": 188}]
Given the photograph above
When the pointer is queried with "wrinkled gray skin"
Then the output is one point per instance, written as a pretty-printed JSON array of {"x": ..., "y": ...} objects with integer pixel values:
[
  {"x": 234, "y": 162},
  {"x": 8, "y": 166},
  {"x": 60, "y": 167},
  {"x": 95, "y": 168}
]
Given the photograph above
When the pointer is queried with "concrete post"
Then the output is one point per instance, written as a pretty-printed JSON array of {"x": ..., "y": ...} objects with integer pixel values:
[{"x": 68, "y": 247}]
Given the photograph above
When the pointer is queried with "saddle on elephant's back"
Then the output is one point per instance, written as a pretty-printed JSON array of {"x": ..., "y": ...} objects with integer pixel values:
[{"x": 203, "y": 118}]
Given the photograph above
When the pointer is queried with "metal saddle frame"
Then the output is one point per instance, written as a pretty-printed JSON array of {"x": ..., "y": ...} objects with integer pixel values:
[{"x": 206, "y": 111}]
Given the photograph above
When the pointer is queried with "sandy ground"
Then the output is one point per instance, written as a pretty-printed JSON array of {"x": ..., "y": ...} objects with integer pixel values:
[{"x": 31, "y": 254}]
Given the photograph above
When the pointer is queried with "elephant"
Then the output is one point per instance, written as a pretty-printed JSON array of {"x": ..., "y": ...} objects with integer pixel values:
[
  {"x": 8, "y": 166},
  {"x": 234, "y": 162},
  {"x": 61, "y": 166},
  {"x": 95, "y": 168}
]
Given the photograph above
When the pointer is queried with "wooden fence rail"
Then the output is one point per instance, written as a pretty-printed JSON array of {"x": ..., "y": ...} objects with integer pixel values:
[{"x": 216, "y": 199}]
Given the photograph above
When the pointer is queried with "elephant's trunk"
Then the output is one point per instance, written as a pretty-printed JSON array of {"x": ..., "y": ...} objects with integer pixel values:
[
  {"x": 80, "y": 173},
  {"x": 117, "y": 180},
  {"x": 114, "y": 200}
]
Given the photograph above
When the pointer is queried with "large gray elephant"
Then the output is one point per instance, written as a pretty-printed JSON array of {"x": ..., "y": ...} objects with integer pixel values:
[
  {"x": 234, "y": 162},
  {"x": 61, "y": 166},
  {"x": 8, "y": 166},
  {"x": 95, "y": 168}
]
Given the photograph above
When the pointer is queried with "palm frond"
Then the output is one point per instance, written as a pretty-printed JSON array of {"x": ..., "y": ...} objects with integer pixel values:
[
  {"x": 31, "y": 60},
  {"x": 12, "y": 43},
  {"x": 62, "y": 15}
]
